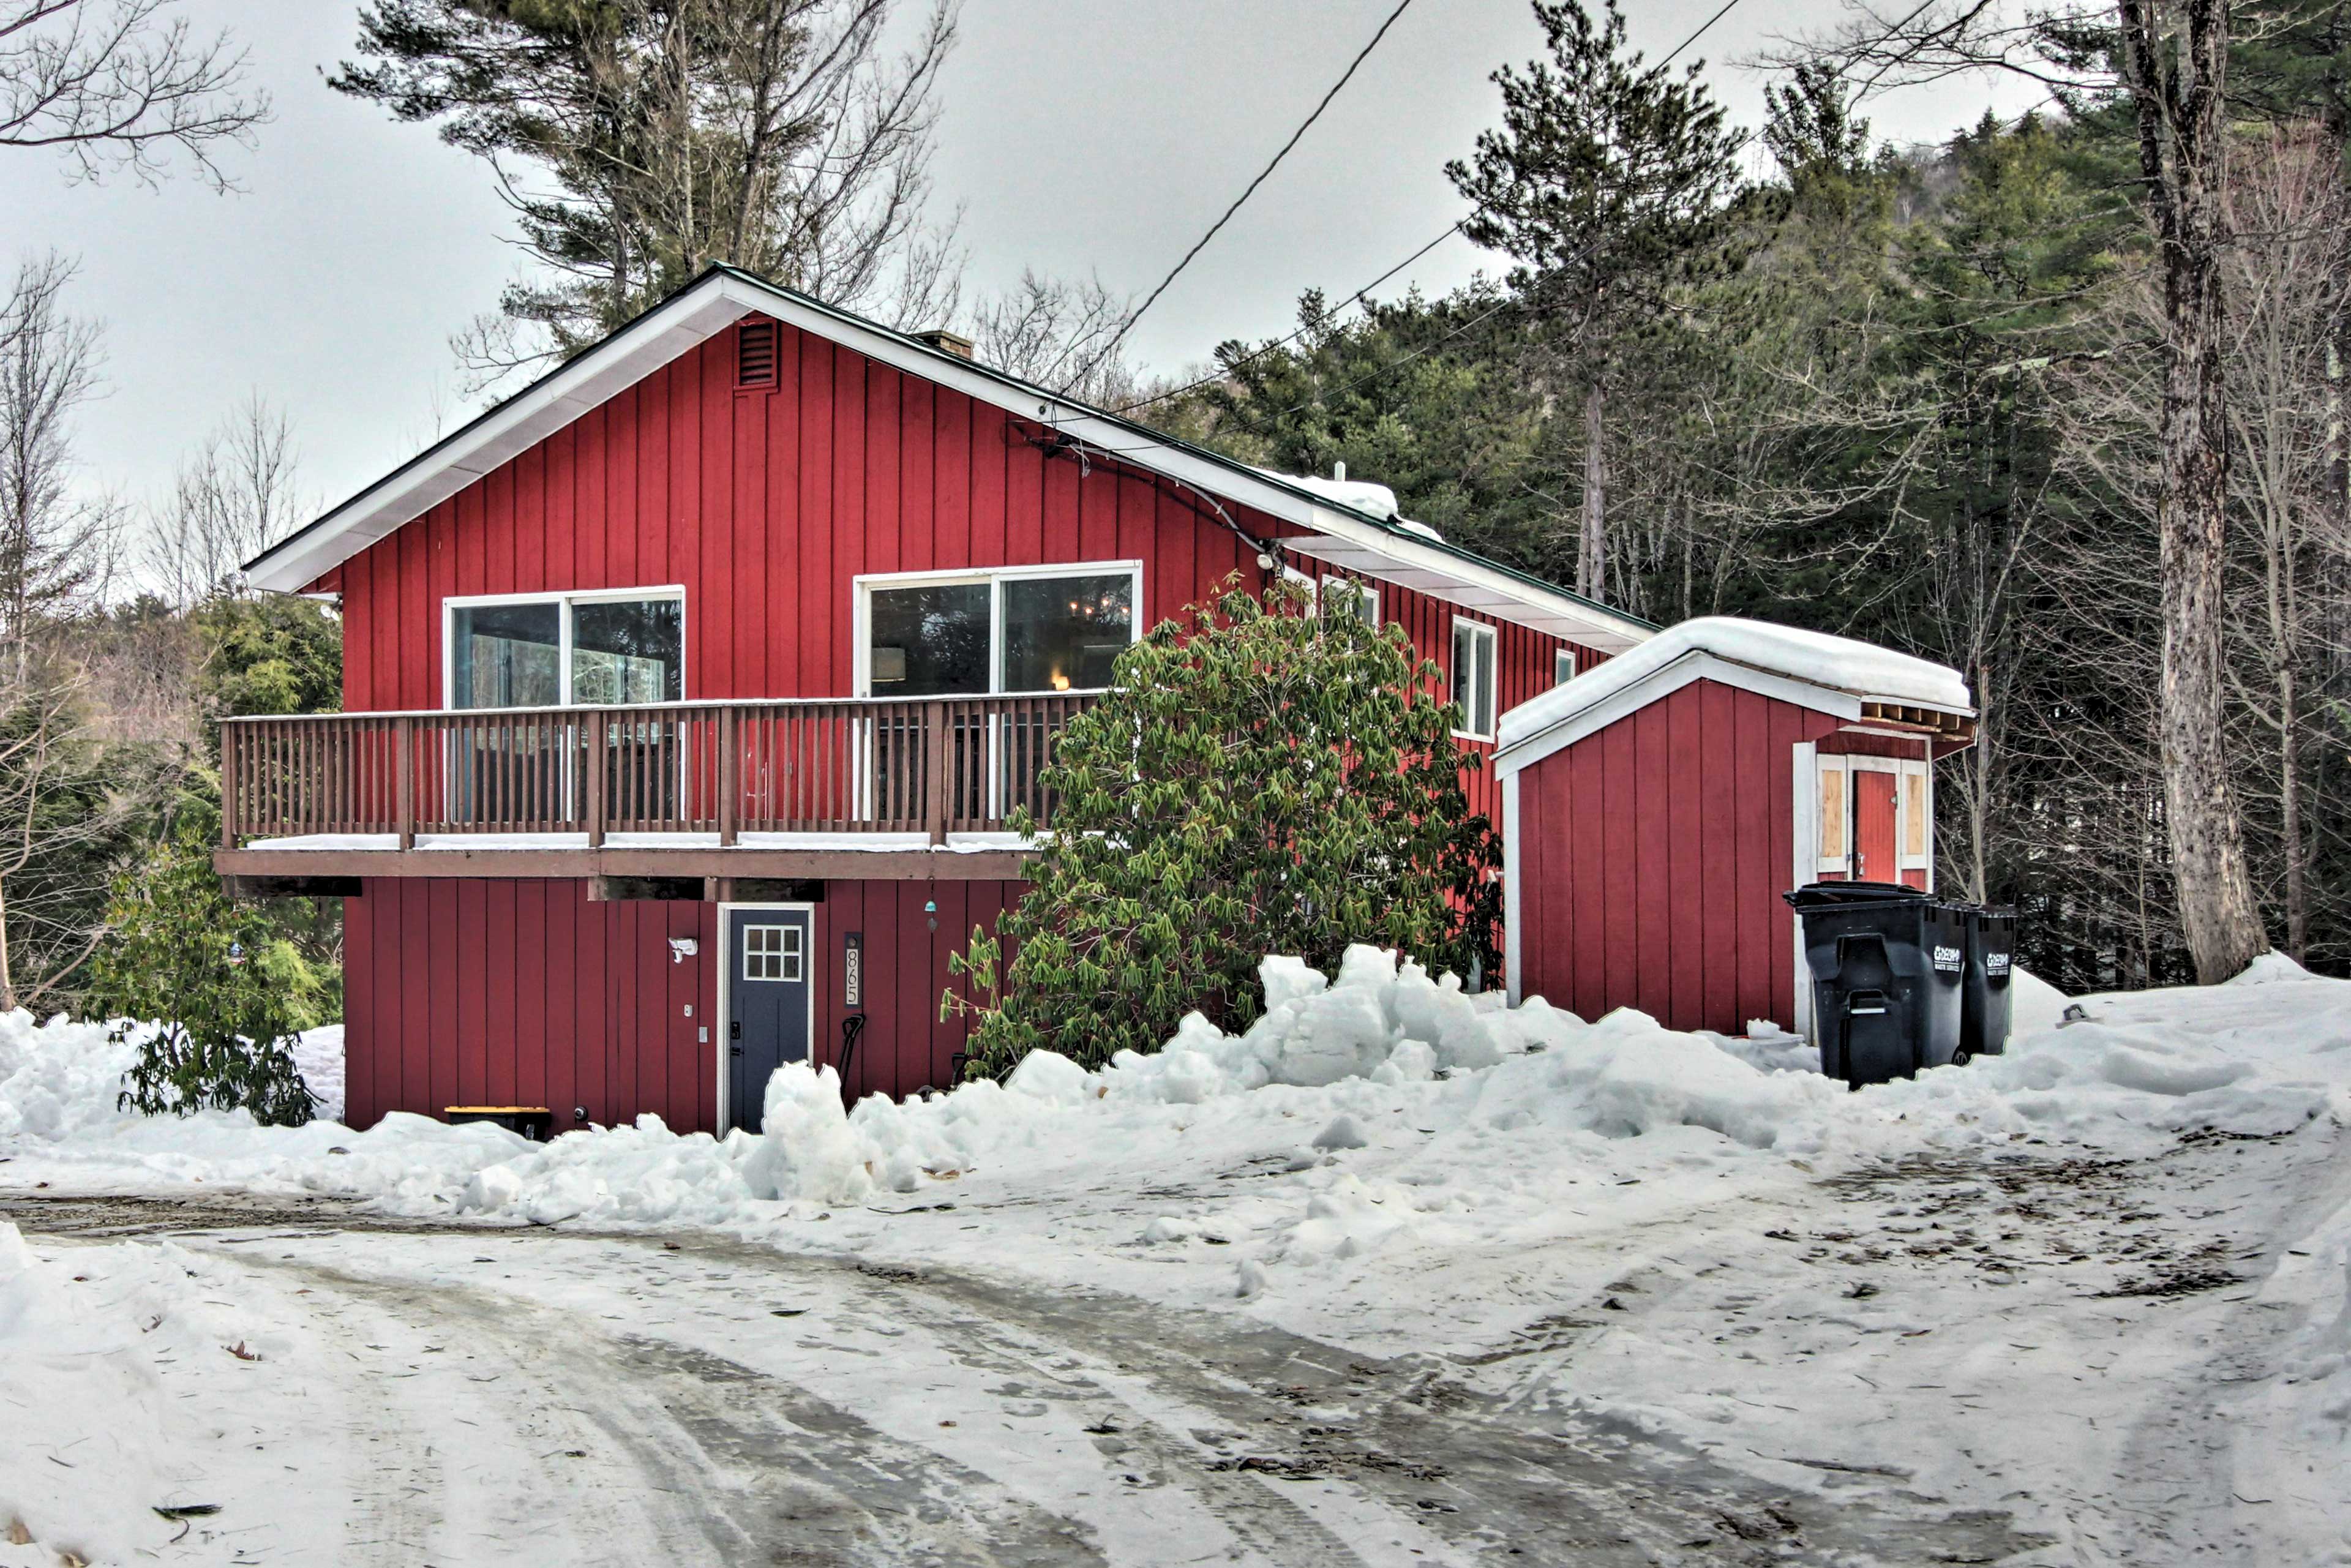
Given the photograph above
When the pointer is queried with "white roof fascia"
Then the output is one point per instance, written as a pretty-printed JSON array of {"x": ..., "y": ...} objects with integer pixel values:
[
  {"x": 707, "y": 308},
  {"x": 1696, "y": 664}
]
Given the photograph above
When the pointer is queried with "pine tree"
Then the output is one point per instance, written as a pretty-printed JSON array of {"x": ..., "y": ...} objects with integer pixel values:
[
  {"x": 1263, "y": 780},
  {"x": 1606, "y": 182}
]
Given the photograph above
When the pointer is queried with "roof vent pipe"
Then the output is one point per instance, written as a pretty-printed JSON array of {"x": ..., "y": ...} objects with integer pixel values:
[{"x": 1338, "y": 472}]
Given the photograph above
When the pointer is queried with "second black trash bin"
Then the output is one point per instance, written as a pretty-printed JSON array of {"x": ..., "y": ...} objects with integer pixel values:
[
  {"x": 1886, "y": 963},
  {"x": 1984, "y": 996}
]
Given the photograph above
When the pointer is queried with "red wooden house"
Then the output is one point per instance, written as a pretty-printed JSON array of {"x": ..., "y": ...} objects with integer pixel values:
[
  {"x": 1654, "y": 809},
  {"x": 688, "y": 691}
]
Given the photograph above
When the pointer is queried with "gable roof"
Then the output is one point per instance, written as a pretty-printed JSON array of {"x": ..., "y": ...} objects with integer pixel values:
[
  {"x": 1339, "y": 534},
  {"x": 1836, "y": 676}
]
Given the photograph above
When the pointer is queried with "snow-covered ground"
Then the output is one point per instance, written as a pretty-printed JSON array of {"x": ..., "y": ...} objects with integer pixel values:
[{"x": 2091, "y": 1298}]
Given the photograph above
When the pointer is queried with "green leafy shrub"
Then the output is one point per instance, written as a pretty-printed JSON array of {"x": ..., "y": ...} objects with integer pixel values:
[
  {"x": 228, "y": 991},
  {"x": 1263, "y": 780}
]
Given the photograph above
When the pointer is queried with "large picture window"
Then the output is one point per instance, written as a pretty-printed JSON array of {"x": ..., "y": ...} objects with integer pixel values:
[
  {"x": 1030, "y": 629},
  {"x": 556, "y": 650}
]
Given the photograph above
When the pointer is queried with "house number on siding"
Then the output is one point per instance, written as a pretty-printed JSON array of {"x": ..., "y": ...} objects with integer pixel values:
[{"x": 852, "y": 972}]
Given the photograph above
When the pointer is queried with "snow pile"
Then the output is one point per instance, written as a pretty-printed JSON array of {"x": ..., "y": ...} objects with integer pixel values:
[
  {"x": 1816, "y": 658},
  {"x": 319, "y": 1057},
  {"x": 88, "y": 1343},
  {"x": 58, "y": 1079},
  {"x": 1488, "y": 1108},
  {"x": 61, "y": 1079}
]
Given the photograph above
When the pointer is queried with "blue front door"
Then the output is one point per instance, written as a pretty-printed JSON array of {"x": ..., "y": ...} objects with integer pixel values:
[{"x": 767, "y": 956}]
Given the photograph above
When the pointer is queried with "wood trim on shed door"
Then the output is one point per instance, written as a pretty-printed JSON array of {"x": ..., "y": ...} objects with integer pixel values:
[
  {"x": 1806, "y": 841},
  {"x": 1514, "y": 901}
]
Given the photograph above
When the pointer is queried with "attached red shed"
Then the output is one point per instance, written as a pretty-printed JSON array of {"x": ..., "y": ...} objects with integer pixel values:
[{"x": 1655, "y": 808}]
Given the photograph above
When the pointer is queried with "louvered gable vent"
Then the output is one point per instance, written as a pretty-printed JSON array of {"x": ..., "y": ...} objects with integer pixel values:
[{"x": 754, "y": 354}]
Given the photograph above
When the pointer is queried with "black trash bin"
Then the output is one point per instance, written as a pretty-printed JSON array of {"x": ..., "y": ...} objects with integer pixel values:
[
  {"x": 1984, "y": 993},
  {"x": 1887, "y": 963}
]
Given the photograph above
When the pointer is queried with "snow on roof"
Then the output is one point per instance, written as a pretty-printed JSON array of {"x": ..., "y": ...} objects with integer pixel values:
[
  {"x": 1814, "y": 658},
  {"x": 1356, "y": 494}
]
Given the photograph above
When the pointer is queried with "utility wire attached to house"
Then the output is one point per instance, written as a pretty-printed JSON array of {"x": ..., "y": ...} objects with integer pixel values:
[{"x": 1348, "y": 75}]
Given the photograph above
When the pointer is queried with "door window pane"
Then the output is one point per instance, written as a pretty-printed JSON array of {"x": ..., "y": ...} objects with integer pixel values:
[
  {"x": 930, "y": 639},
  {"x": 628, "y": 651},
  {"x": 507, "y": 655},
  {"x": 772, "y": 952},
  {"x": 1062, "y": 632}
]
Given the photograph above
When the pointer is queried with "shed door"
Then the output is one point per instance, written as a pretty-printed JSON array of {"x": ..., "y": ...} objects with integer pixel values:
[
  {"x": 767, "y": 997},
  {"x": 1876, "y": 816}
]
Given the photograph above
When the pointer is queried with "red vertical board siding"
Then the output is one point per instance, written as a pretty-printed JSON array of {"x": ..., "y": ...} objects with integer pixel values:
[
  {"x": 766, "y": 506},
  {"x": 1653, "y": 853}
]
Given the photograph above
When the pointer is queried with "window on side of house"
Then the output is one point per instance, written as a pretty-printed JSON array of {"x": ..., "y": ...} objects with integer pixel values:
[
  {"x": 554, "y": 650},
  {"x": 1345, "y": 596},
  {"x": 1562, "y": 666},
  {"x": 1473, "y": 678},
  {"x": 1022, "y": 631}
]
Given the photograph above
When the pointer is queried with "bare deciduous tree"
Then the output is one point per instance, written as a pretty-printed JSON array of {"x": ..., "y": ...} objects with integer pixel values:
[
  {"x": 233, "y": 497},
  {"x": 2168, "y": 60},
  {"x": 122, "y": 85},
  {"x": 1055, "y": 331},
  {"x": 56, "y": 545}
]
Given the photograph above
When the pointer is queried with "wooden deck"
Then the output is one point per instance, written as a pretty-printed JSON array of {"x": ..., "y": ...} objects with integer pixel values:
[{"x": 878, "y": 787}]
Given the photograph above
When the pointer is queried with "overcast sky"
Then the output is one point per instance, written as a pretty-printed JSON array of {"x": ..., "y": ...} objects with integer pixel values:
[{"x": 1078, "y": 136}]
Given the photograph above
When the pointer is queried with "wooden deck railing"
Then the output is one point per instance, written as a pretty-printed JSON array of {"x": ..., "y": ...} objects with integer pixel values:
[{"x": 931, "y": 765}]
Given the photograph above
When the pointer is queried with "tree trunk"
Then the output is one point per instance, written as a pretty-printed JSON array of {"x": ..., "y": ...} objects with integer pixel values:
[
  {"x": 8, "y": 980},
  {"x": 1592, "y": 554},
  {"x": 2297, "y": 891},
  {"x": 2175, "y": 80}
]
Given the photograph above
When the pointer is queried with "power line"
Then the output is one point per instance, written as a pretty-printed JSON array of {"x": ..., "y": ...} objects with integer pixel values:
[
  {"x": 1357, "y": 298},
  {"x": 1427, "y": 349},
  {"x": 1694, "y": 37},
  {"x": 1363, "y": 55}
]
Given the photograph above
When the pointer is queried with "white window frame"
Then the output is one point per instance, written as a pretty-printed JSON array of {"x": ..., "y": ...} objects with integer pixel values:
[
  {"x": 861, "y": 612},
  {"x": 1491, "y": 637},
  {"x": 1367, "y": 595},
  {"x": 1917, "y": 784},
  {"x": 790, "y": 953},
  {"x": 453, "y": 603},
  {"x": 1562, "y": 666}
]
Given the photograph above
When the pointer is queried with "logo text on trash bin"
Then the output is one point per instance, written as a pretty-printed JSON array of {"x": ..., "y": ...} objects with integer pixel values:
[{"x": 1950, "y": 959}]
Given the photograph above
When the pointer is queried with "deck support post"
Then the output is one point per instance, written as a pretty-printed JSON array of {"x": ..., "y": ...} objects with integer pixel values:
[
  {"x": 405, "y": 790},
  {"x": 232, "y": 758},
  {"x": 593, "y": 806},
  {"x": 730, "y": 783},
  {"x": 935, "y": 772}
]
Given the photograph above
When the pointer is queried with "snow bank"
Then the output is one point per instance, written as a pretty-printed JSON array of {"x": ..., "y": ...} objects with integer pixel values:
[
  {"x": 87, "y": 1343},
  {"x": 1840, "y": 664},
  {"x": 60, "y": 1079},
  {"x": 1382, "y": 1063}
]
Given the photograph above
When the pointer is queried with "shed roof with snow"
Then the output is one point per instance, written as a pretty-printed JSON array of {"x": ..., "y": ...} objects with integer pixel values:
[{"x": 1836, "y": 675}]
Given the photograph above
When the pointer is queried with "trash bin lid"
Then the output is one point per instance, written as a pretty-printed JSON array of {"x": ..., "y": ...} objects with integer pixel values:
[{"x": 1826, "y": 894}]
